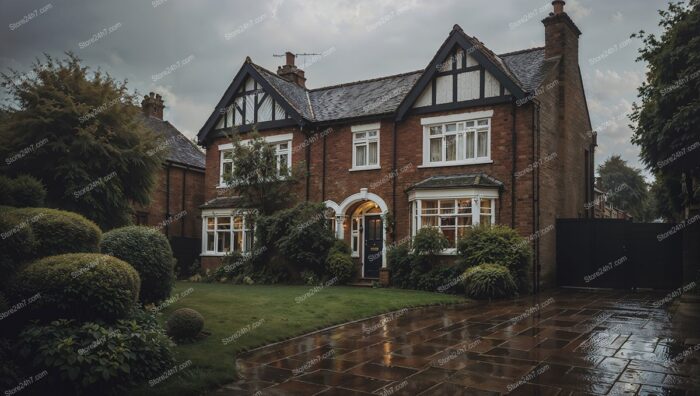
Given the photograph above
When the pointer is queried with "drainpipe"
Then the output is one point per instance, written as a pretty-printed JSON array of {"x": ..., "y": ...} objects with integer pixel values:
[
  {"x": 308, "y": 166},
  {"x": 184, "y": 192},
  {"x": 167, "y": 197},
  {"x": 536, "y": 195},
  {"x": 323, "y": 169},
  {"x": 393, "y": 180},
  {"x": 514, "y": 141}
]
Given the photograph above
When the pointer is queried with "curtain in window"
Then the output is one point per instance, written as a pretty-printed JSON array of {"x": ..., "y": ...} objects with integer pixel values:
[{"x": 373, "y": 154}]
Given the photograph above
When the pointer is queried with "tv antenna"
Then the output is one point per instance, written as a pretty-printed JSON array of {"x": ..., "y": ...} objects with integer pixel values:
[{"x": 302, "y": 54}]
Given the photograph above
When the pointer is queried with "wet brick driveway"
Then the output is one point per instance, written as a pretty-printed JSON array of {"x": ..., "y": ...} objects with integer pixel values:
[{"x": 566, "y": 342}]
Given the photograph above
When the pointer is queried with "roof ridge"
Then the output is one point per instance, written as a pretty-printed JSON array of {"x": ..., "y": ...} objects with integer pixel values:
[
  {"x": 521, "y": 51},
  {"x": 366, "y": 81}
]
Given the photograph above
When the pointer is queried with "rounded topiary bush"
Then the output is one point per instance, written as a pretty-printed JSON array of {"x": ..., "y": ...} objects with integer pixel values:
[
  {"x": 341, "y": 267},
  {"x": 429, "y": 241},
  {"x": 17, "y": 245},
  {"x": 149, "y": 252},
  {"x": 499, "y": 245},
  {"x": 487, "y": 281},
  {"x": 184, "y": 324},
  {"x": 80, "y": 286},
  {"x": 101, "y": 359},
  {"x": 58, "y": 231}
]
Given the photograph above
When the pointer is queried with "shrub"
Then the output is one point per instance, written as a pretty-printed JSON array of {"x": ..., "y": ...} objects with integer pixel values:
[
  {"x": 149, "y": 252},
  {"x": 341, "y": 267},
  {"x": 487, "y": 281},
  {"x": 58, "y": 231},
  {"x": 17, "y": 245},
  {"x": 4, "y": 305},
  {"x": 185, "y": 324},
  {"x": 80, "y": 286},
  {"x": 6, "y": 198},
  {"x": 399, "y": 262},
  {"x": 94, "y": 358},
  {"x": 340, "y": 246},
  {"x": 440, "y": 280},
  {"x": 429, "y": 241},
  {"x": 500, "y": 245},
  {"x": 9, "y": 371},
  {"x": 309, "y": 278},
  {"x": 295, "y": 239},
  {"x": 27, "y": 191}
]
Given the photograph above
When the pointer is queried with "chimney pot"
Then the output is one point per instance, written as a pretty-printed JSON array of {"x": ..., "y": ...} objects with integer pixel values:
[
  {"x": 558, "y": 6},
  {"x": 290, "y": 58},
  {"x": 152, "y": 105}
]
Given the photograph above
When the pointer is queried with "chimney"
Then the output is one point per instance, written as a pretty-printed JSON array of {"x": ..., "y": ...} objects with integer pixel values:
[
  {"x": 290, "y": 72},
  {"x": 152, "y": 105},
  {"x": 560, "y": 34}
]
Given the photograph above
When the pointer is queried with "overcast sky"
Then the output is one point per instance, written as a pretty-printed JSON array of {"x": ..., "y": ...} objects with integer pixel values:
[{"x": 142, "y": 41}]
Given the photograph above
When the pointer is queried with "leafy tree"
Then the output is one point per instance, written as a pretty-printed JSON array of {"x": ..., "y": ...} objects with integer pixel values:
[
  {"x": 80, "y": 133},
  {"x": 256, "y": 177},
  {"x": 668, "y": 116},
  {"x": 624, "y": 185}
]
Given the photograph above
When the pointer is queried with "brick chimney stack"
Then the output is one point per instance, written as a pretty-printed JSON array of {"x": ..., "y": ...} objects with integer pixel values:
[
  {"x": 560, "y": 34},
  {"x": 152, "y": 105},
  {"x": 290, "y": 72}
]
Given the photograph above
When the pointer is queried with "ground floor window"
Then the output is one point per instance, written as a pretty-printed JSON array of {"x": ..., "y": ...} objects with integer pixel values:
[
  {"x": 227, "y": 233},
  {"x": 453, "y": 217}
]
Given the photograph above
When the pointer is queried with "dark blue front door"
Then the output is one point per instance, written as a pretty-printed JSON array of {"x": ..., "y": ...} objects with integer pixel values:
[{"x": 373, "y": 246}]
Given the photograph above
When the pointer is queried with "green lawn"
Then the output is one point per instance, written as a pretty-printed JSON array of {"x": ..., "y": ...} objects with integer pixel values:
[{"x": 230, "y": 308}]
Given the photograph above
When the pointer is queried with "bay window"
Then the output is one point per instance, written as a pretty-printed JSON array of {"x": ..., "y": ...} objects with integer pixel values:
[
  {"x": 453, "y": 216},
  {"x": 227, "y": 233}
]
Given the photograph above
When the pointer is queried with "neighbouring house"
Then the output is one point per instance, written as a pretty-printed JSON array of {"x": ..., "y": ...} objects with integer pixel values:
[
  {"x": 475, "y": 137},
  {"x": 174, "y": 207},
  {"x": 602, "y": 209}
]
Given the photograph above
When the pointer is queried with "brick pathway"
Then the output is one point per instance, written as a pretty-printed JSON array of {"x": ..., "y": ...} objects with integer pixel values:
[{"x": 574, "y": 343}]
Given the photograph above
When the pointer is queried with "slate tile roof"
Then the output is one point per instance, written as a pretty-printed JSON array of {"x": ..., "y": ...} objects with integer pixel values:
[
  {"x": 384, "y": 95},
  {"x": 457, "y": 181},
  {"x": 179, "y": 148}
]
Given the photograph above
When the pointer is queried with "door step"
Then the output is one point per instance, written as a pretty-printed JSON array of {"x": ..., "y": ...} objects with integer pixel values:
[{"x": 364, "y": 282}]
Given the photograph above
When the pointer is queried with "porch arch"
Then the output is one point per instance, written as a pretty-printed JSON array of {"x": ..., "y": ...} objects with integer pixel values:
[{"x": 363, "y": 195}]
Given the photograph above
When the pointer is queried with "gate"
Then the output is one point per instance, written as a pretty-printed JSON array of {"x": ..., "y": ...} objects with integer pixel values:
[{"x": 619, "y": 254}]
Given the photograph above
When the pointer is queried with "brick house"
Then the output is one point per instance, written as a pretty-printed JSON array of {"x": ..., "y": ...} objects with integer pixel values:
[
  {"x": 475, "y": 137},
  {"x": 174, "y": 207}
]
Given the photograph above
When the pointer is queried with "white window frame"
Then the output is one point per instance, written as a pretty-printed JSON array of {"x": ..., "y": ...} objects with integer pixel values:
[
  {"x": 366, "y": 130},
  {"x": 461, "y": 122},
  {"x": 416, "y": 199},
  {"x": 274, "y": 141},
  {"x": 247, "y": 232}
]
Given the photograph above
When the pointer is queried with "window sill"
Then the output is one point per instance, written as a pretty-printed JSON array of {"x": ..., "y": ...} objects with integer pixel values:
[
  {"x": 455, "y": 163},
  {"x": 212, "y": 254},
  {"x": 364, "y": 168}
]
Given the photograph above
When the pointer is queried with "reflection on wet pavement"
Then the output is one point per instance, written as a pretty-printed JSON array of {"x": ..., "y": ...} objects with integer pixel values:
[{"x": 579, "y": 343}]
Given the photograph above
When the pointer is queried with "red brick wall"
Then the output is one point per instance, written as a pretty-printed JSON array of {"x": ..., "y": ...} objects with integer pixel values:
[{"x": 187, "y": 215}]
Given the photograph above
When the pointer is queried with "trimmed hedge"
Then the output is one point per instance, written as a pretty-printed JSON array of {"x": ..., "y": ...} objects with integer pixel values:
[
  {"x": 499, "y": 245},
  {"x": 487, "y": 281},
  {"x": 149, "y": 252},
  {"x": 76, "y": 286},
  {"x": 22, "y": 191},
  {"x": 184, "y": 324},
  {"x": 58, "y": 231},
  {"x": 95, "y": 358},
  {"x": 18, "y": 245},
  {"x": 340, "y": 266}
]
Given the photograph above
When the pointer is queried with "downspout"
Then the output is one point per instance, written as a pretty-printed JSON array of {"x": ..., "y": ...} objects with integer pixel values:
[
  {"x": 308, "y": 166},
  {"x": 167, "y": 198},
  {"x": 514, "y": 141},
  {"x": 184, "y": 192},
  {"x": 323, "y": 169},
  {"x": 535, "y": 195},
  {"x": 393, "y": 181}
]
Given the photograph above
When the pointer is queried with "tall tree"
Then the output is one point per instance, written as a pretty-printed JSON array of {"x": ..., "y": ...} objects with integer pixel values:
[
  {"x": 666, "y": 121},
  {"x": 257, "y": 177},
  {"x": 81, "y": 134},
  {"x": 624, "y": 185}
]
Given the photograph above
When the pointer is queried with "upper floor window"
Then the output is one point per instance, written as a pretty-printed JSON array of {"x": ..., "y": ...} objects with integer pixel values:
[
  {"x": 451, "y": 141},
  {"x": 365, "y": 147},
  {"x": 281, "y": 144}
]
